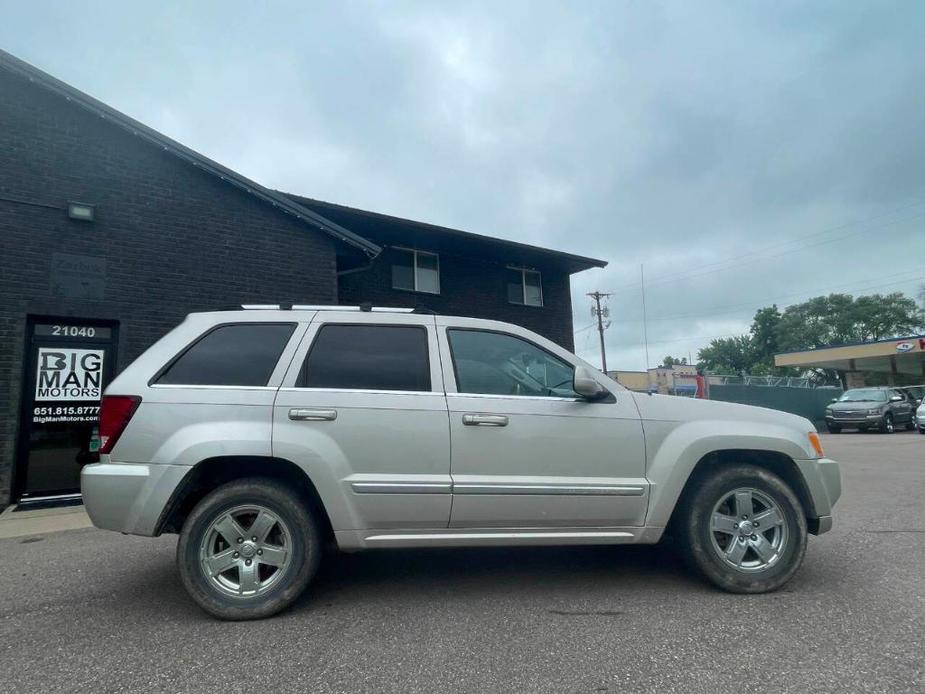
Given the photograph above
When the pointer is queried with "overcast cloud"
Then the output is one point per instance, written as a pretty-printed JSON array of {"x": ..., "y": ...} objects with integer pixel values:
[{"x": 787, "y": 137}]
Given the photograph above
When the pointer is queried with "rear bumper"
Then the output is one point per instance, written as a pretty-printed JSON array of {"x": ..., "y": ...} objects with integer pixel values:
[
  {"x": 128, "y": 497},
  {"x": 823, "y": 481}
]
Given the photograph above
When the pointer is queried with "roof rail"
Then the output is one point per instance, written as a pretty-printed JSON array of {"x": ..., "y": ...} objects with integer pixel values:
[{"x": 325, "y": 307}]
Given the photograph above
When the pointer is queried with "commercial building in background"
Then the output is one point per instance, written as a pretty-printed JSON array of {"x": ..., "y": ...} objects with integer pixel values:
[
  {"x": 680, "y": 379},
  {"x": 111, "y": 233},
  {"x": 895, "y": 361}
]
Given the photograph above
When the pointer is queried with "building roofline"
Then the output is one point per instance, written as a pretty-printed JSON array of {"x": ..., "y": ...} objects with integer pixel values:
[
  {"x": 578, "y": 260},
  {"x": 138, "y": 129},
  {"x": 852, "y": 344}
]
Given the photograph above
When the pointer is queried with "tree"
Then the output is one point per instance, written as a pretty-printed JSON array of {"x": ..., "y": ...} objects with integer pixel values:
[
  {"x": 727, "y": 355},
  {"x": 670, "y": 361},
  {"x": 840, "y": 318},
  {"x": 764, "y": 337}
]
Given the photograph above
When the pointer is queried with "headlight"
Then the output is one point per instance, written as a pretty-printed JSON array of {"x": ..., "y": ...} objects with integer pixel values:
[{"x": 873, "y": 410}]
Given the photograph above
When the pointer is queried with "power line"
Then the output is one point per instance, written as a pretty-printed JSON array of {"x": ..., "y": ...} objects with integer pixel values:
[
  {"x": 735, "y": 261},
  {"x": 914, "y": 275}
]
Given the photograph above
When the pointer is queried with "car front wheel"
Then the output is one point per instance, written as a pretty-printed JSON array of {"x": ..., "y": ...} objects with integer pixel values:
[
  {"x": 743, "y": 529},
  {"x": 886, "y": 426},
  {"x": 248, "y": 549}
]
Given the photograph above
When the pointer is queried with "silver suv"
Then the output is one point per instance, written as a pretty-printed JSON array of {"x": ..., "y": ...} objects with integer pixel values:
[{"x": 259, "y": 435}]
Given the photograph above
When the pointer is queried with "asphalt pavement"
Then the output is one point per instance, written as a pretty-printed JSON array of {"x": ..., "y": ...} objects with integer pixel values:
[{"x": 92, "y": 611}]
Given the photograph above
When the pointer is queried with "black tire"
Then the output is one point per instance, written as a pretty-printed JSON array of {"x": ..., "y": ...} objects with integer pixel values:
[
  {"x": 305, "y": 546},
  {"x": 886, "y": 426},
  {"x": 833, "y": 428},
  {"x": 910, "y": 425},
  {"x": 696, "y": 537}
]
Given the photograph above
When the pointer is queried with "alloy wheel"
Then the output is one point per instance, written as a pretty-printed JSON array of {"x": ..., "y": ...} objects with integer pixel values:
[
  {"x": 748, "y": 530},
  {"x": 245, "y": 550}
]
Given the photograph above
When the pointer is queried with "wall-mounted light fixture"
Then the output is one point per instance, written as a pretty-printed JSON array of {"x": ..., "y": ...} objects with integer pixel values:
[{"x": 81, "y": 211}]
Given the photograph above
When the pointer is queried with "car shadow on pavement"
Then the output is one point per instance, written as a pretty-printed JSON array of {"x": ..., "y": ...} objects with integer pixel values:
[{"x": 496, "y": 572}]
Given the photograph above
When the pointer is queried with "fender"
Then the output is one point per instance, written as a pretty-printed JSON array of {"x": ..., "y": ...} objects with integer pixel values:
[{"x": 674, "y": 449}]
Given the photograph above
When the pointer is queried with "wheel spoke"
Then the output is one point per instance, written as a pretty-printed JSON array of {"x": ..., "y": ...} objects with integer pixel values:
[
  {"x": 229, "y": 529},
  {"x": 722, "y": 523},
  {"x": 221, "y": 562},
  {"x": 247, "y": 577},
  {"x": 768, "y": 519},
  {"x": 735, "y": 551},
  {"x": 744, "y": 504},
  {"x": 763, "y": 548},
  {"x": 262, "y": 526},
  {"x": 273, "y": 556}
]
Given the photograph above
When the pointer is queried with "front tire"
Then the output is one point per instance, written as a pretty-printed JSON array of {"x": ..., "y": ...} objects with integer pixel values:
[
  {"x": 248, "y": 549},
  {"x": 834, "y": 428},
  {"x": 743, "y": 529},
  {"x": 886, "y": 426}
]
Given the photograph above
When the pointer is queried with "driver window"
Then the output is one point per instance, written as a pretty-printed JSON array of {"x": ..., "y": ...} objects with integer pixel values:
[{"x": 499, "y": 364}]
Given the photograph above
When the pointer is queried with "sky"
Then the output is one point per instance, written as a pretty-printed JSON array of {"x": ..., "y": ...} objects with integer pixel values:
[{"x": 742, "y": 153}]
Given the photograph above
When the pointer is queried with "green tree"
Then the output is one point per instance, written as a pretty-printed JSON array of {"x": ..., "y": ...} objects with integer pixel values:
[
  {"x": 728, "y": 355},
  {"x": 764, "y": 337},
  {"x": 670, "y": 361},
  {"x": 840, "y": 318}
]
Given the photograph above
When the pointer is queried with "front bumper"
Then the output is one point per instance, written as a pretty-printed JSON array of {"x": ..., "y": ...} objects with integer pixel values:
[
  {"x": 129, "y": 497},
  {"x": 854, "y": 420},
  {"x": 823, "y": 481}
]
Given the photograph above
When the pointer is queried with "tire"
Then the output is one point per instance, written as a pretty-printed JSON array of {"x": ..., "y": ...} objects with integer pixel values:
[
  {"x": 886, "y": 426},
  {"x": 911, "y": 425},
  {"x": 833, "y": 428},
  {"x": 706, "y": 549},
  {"x": 277, "y": 578}
]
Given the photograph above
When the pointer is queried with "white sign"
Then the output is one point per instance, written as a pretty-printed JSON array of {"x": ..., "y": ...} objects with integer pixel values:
[
  {"x": 905, "y": 347},
  {"x": 69, "y": 374}
]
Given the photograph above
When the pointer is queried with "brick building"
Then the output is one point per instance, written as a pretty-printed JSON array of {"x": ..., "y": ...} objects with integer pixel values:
[{"x": 110, "y": 233}]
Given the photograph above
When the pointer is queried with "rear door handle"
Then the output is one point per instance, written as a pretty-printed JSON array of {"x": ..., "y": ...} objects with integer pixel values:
[
  {"x": 484, "y": 420},
  {"x": 300, "y": 414}
]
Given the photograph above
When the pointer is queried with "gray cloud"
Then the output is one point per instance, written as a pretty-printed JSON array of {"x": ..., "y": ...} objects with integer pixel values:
[{"x": 672, "y": 134}]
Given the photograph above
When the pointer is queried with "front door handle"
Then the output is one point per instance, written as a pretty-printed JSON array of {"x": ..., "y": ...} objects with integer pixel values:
[
  {"x": 300, "y": 414},
  {"x": 484, "y": 420}
]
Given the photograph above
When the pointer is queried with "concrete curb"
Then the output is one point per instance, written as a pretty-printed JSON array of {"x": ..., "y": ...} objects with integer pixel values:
[{"x": 42, "y": 521}]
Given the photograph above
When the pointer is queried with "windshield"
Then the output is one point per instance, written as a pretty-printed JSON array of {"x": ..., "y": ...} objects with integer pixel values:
[{"x": 863, "y": 395}]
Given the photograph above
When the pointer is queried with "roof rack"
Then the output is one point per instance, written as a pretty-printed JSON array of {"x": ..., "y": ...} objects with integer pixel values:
[{"x": 325, "y": 307}]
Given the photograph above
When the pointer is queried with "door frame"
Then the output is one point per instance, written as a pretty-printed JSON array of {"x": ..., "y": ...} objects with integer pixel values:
[{"x": 27, "y": 401}]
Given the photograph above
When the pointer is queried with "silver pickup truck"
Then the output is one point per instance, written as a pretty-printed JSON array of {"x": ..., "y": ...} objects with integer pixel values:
[{"x": 259, "y": 435}]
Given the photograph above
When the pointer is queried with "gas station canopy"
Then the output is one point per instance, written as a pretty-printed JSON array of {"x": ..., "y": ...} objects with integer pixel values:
[{"x": 895, "y": 356}]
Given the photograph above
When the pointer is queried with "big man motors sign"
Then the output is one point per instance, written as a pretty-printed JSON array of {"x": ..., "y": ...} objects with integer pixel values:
[{"x": 69, "y": 374}]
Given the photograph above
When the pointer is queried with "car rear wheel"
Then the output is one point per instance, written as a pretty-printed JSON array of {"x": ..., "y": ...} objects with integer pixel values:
[
  {"x": 886, "y": 426},
  {"x": 743, "y": 529},
  {"x": 248, "y": 549}
]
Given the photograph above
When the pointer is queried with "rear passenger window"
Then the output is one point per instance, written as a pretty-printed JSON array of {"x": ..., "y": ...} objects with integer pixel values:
[
  {"x": 368, "y": 357},
  {"x": 231, "y": 355}
]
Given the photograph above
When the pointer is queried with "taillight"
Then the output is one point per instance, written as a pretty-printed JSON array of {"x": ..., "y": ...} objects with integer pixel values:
[{"x": 115, "y": 413}]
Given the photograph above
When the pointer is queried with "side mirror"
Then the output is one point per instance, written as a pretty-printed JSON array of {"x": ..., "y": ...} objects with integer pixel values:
[
  {"x": 896, "y": 398},
  {"x": 833, "y": 400},
  {"x": 587, "y": 386}
]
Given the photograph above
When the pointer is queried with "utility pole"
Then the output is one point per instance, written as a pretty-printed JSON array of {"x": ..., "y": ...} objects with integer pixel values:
[
  {"x": 600, "y": 314},
  {"x": 645, "y": 327}
]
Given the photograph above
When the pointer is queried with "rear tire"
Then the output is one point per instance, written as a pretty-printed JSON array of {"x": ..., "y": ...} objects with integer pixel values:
[
  {"x": 727, "y": 549},
  {"x": 280, "y": 562}
]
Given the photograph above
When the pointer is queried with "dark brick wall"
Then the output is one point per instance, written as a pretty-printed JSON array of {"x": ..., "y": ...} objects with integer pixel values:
[
  {"x": 174, "y": 238},
  {"x": 469, "y": 287}
]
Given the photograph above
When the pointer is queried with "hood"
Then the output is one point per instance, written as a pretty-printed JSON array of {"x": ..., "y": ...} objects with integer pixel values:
[
  {"x": 855, "y": 406},
  {"x": 674, "y": 408}
]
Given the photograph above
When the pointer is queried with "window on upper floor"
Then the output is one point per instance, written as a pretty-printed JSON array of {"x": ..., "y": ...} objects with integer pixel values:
[
  {"x": 416, "y": 271},
  {"x": 524, "y": 287}
]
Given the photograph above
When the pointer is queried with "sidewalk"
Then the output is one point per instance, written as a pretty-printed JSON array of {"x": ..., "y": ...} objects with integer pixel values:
[{"x": 42, "y": 521}]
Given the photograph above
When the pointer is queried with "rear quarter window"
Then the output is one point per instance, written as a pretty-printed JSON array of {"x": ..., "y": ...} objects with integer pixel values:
[{"x": 242, "y": 354}]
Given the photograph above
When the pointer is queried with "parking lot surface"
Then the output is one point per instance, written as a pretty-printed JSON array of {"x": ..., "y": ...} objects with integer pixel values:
[{"x": 88, "y": 610}]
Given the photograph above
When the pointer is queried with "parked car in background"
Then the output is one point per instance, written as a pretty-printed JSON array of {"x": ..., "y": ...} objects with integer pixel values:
[
  {"x": 261, "y": 435},
  {"x": 878, "y": 408},
  {"x": 920, "y": 417}
]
